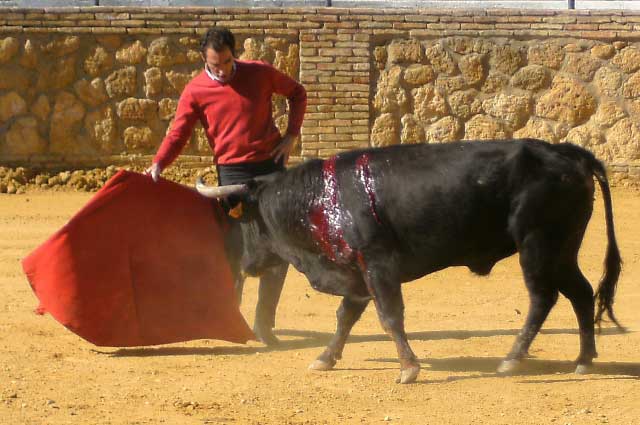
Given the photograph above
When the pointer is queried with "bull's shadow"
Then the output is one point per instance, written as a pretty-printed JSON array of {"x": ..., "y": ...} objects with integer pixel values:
[
  {"x": 485, "y": 367},
  {"x": 312, "y": 339},
  {"x": 479, "y": 367}
]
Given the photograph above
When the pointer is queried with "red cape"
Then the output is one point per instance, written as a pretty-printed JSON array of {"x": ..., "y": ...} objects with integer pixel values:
[{"x": 142, "y": 263}]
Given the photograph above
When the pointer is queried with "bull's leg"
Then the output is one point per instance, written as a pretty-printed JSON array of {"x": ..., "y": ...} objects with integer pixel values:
[
  {"x": 348, "y": 314},
  {"x": 233, "y": 248},
  {"x": 540, "y": 304},
  {"x": 390, "y": 307},
  {"x": 238, "y": 283},
  {"x": 271, "y": 283},
  {"x": 578, "y": 290},
  {"x": 536, "y": 261}
]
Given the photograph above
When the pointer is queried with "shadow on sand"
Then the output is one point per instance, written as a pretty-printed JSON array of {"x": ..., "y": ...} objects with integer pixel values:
[
  {"x": 485, "y": 367},
  {"x": 299, "y": 339},
  {"x": 478, "y": 367}
]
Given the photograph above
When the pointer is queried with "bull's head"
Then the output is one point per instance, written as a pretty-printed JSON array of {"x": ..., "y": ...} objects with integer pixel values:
[{"x": 250, "y": 241}]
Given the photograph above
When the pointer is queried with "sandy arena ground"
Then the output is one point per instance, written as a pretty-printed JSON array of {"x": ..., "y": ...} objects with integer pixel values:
[{"x": 459, "y": 325}]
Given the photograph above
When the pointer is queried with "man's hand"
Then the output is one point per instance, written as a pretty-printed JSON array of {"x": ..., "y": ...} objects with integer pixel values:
[
  {"x": 283, "y": 149},
  {"x": 154, "y": 171}
]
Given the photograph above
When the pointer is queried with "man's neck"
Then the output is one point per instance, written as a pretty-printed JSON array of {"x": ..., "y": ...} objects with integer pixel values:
[{"x": 214, "y": 77}]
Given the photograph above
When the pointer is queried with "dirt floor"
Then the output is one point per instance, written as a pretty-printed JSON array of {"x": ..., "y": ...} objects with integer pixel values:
[{"x": 459, "y": 325}]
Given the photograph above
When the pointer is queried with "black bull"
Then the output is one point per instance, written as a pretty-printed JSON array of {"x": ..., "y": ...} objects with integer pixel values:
[{"x": 360, "y": 224}]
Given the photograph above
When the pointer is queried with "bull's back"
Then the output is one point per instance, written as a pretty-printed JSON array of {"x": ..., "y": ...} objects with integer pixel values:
[
  {"x": 434, "y": 205},
  {"x": 444, "y": 204},
  {"x": 453, "y": 204}
]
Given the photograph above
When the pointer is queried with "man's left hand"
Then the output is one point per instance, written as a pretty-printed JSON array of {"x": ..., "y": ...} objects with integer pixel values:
[
  {"x": 154, "y": 171},
  {"x": 283, "y": 149}
]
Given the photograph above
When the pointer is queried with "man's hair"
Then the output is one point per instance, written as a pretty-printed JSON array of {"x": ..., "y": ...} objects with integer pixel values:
[{"x": 218, "y": 38}]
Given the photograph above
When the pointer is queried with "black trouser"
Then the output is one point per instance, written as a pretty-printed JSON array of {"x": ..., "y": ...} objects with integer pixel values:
[{"x": 272, "y": 281}]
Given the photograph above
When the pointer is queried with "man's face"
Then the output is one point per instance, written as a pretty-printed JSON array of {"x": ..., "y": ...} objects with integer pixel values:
[{"x": 220, "y": 63}]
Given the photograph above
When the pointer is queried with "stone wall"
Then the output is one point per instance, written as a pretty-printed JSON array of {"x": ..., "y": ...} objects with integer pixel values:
[
  {"x": 439, "y": 90},
  {"x": 93, "y": 86}
]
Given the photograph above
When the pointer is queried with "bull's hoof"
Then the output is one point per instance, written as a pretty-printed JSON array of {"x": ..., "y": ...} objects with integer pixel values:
[
  {"x": 321, "y": 365},
  {"x": 408, "y": 375},
  {"x": 584, "y": 369},
  {"x": 509, "y": 366},
  {"x": 266, "y": 337}
]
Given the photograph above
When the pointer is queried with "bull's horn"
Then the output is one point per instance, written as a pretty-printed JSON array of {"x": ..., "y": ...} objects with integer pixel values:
[{"x": 219, "y": 191}]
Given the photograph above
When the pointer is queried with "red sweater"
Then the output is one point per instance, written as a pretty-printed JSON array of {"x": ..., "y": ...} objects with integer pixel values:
[{"x": 236, "y": 115}]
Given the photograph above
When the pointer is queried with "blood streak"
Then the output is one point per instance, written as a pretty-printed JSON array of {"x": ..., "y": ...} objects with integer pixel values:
[
  {"x": 363, "y": 269},
  {"x": 327, "y": 218},
  {"x": 364, "y": 175}
]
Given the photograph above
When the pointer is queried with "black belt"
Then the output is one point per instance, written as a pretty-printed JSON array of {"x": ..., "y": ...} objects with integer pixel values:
[{"x": 243, "y": 172}]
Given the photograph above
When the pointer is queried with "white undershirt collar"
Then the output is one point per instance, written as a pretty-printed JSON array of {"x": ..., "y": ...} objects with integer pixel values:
[{"x": 215, "y": 77}]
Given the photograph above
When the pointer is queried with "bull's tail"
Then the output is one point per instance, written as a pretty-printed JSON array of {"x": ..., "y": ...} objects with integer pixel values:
[
  {"x": 613, "y": 263},
  {"x": 606, "y": 291}
]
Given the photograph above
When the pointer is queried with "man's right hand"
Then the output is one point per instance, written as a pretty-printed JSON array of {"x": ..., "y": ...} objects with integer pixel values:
[
  {"x": 283, "y": 149},
  {"x": 154, "y": 171}
]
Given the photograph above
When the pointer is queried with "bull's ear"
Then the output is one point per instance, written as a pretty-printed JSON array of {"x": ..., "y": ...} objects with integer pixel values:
[{"x": 236, "y": 212}]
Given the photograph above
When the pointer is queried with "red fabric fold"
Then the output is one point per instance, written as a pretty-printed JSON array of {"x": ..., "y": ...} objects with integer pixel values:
[{"x": 142, "y": 263}]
